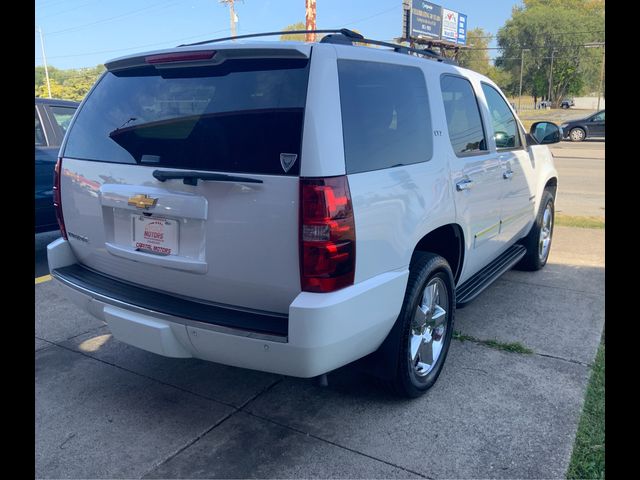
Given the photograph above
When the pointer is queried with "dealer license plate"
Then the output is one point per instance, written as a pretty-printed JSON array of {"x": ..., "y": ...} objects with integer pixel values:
[{"x": 155, "y": 235}]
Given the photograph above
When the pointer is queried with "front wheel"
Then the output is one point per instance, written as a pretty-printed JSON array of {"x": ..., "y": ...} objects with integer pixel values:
[
  {"x": 576, "y": 135},
  {"x": 427, "y": 324},
  {"x": 538, "y": 241}
]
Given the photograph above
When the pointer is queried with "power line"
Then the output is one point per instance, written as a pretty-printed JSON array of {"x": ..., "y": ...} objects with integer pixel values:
[
  {"x": 552, "y": 34},
  {"x": 139, "y": 46},
  {"x": 543, "y": 47},
  {"x": 372, "y": 16},
  {"x": 67, "y": 11},
  {"x": 116, "y": 17}
]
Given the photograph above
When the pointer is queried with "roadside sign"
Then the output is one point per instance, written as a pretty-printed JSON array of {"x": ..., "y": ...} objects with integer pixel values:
[
  {"x": 426, "y": 20},
  {"x": 462, "y": 29},
  {"x": 449, "y": 25}
]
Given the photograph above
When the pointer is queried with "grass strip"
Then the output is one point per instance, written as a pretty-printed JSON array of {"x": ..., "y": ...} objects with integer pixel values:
[
  {"x": 587, "y": 460},
  {"x": 581, "y": 222}
]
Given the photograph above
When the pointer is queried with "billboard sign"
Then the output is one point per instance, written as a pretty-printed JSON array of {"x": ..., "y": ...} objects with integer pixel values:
[
  {"x": 426, "y": 20},
  {"x": 449, "y": 25},
  {"x": 462, "y": 29}
]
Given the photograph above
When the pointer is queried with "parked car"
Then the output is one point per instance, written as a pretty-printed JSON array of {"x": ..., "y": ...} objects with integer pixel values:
[
  {"x": 259, "y": 206},
  {"x": 567, "y": 103},
  {"x": 52, "y": 119},
  {"x": 582, "y": 128}
]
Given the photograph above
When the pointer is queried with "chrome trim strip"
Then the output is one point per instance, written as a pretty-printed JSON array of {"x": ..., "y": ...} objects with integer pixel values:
[{"x": 170, "y": 318}]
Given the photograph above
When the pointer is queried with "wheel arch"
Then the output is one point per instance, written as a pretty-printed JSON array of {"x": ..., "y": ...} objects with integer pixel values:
[{"x": 448, "y": 242}]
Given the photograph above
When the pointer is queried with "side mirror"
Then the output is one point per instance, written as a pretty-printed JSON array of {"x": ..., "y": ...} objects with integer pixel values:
[{"x": 545, "y": 132}]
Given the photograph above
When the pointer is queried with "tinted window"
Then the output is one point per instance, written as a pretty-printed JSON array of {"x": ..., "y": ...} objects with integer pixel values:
[
  {"x": 63, "y": 116},
  {"x": 505, "y": 127},
  {"x": 40, "y": 139},
  {"x": 598, "y": 118},
  {"x": 463, "y": 116},
  {"x": 239, "y": 116},
  {"x": 385, "y": 115}
]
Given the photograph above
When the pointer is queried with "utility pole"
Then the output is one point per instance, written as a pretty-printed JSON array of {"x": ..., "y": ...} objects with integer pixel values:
[
  {"x": 44, "y": 60},
  {"x": 310, "y": 19},
  {"x": 601, "y": 79},
  {"x": 232, "y": 15},
  {"x": 551, "y": 75},
  {"x": 521, "y": 68}
]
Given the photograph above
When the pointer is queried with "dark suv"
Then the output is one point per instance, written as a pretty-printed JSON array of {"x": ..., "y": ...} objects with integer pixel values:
[{"x": 52, "y": 118}]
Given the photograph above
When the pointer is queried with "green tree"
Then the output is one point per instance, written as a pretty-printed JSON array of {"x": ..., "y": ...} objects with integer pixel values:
[
  {"x": 476, "y": 58},
  {"x": 71, "y": 84},
  {"x": 552, "y": 28},
  {"x": 299, "y": 37}
]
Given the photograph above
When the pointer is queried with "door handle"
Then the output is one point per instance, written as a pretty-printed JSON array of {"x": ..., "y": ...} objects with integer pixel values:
[
  {"x": 464, "y": 184},
  {"x": 507, "y": 175}
]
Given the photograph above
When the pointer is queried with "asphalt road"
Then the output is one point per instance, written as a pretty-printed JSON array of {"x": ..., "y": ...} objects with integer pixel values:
[
  {"x": 580, "y": 177},
  {"x": 107, "y": 410}
]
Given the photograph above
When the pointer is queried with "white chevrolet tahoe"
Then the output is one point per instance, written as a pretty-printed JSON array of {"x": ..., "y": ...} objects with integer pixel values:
[{"x": 294, "y": 207}]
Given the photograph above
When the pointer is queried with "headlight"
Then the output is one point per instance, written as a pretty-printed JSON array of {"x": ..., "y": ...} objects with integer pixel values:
[{"x": 564, "y": 125}]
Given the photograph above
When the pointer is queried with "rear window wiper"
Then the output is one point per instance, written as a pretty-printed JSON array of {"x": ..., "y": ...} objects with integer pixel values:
[{"x": 191, "y": 178}]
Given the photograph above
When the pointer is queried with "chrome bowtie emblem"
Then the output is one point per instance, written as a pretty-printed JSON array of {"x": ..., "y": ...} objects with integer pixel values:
[
  {"x": 142, "y": 201},
  {"x": 287, "y": 160}
]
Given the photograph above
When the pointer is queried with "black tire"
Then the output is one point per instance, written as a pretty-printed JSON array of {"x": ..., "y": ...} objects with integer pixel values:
[
  {"x": 533, "y": 259},
  {"x": 577, "y": 134},
  {"x": 425, "y": 268}
]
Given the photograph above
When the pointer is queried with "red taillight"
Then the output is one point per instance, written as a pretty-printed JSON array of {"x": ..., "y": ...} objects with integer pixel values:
[
  {"x": 180, "y": 57},
  {"x": 327, "y": 234},
  {"x": 57, "y": 197}
]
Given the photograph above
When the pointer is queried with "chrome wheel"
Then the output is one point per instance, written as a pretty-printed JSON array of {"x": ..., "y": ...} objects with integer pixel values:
[
  {"x": 428, "y": 327},
  {"x": 577, "y": 134},
  {"x": 544, "y": 243}
]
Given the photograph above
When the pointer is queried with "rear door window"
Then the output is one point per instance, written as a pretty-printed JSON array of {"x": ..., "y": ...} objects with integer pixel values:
[
  {"x": 244, "y": 115},
  {"x": 464, "y": 123},
  {"x": 385, "y": 115}
]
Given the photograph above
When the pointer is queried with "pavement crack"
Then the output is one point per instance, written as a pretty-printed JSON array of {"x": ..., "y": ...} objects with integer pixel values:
[
  {"x": 261, "y": 392},
  {"x": 316, "y": 437},
  {"x": 581, "y": 292},
  {"x": 65, "y": 442},
  {"x": 492, "y": 345},
  {"x": 190, "y": 443},
  {"x": 564, "y": 359}
]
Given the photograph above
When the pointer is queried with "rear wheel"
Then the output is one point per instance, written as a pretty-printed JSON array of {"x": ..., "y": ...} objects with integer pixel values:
[
  {"x": 577, "y": 135},
  {"x": 427, "y": 325},
  {"x": 538, "y": 241}
]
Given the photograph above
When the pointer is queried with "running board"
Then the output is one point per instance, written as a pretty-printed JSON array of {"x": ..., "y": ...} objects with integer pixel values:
[{"x": 470, "y": 289}]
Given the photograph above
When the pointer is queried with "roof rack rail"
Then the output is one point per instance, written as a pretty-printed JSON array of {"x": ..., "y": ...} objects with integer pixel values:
[
  {"x": 344, "y": 31},
  {"x": 341, "y": 36},
  {"x": 339, "y": 39}
]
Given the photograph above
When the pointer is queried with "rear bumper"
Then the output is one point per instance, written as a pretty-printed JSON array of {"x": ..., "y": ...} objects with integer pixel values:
[{"x": 323, "y": 331}]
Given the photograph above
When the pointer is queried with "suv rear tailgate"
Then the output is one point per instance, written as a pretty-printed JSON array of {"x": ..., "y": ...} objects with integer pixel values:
[{"x": 224, "y": 241}]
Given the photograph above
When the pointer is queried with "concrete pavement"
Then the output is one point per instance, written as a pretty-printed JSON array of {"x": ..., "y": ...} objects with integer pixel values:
[{"x": 107, "y": 410}]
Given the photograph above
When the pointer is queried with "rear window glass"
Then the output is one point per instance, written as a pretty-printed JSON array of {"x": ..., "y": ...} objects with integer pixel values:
[
  {"x": 239, "y": 116},
  {"x": 385, "y": 115},
  {"x": 62, "y": 116}
]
